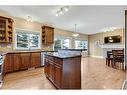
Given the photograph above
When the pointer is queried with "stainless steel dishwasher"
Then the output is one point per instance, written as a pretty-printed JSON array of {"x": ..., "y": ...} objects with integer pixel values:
[{"x": 43, "y": 58}]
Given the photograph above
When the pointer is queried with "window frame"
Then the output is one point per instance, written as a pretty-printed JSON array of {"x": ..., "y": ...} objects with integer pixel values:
[
  {"x": 62, "y": 38},
  {"x": 81, "y": 41},
  {"x": 27, "y": 32}
]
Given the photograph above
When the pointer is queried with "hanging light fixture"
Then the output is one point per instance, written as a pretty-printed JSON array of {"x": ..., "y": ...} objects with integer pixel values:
[{"x": 75, "y": 34}]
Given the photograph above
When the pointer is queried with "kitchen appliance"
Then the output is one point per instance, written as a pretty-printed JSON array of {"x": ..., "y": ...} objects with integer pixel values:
[
  {"x": 1, "y": 69},
  {"x": 43, "y": 58}
]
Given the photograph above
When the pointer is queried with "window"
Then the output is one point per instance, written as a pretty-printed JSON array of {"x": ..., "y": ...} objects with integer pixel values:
[
  {"x": 61, "y": 43},
  {"x": 25, "y": 40},
  {"x": 80, "y": 44}
]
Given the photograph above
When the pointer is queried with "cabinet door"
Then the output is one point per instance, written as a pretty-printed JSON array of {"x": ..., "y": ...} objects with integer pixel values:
[
  {"x": 35, "y": 59},
  {"x": 8, "y": 63},
  {"x": 51, "y": 70},
  {"x": 57, "y": 75},
  {"x": 49, "y": 35},
  {"x": 25, "y": 61},
  {"x": 17, "y": 61},
  {"x": 47, "y": 67}
]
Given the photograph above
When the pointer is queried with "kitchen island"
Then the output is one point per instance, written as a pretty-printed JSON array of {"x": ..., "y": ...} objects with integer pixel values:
[{"x": 63, "y": 70}]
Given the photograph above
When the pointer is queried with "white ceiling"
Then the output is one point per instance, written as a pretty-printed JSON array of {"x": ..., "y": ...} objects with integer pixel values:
[{"x": 89, "y": 19}]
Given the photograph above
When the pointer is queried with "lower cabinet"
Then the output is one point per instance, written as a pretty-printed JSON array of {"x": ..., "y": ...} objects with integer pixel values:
[
  {"x": 17, "y": 61},
  {"x": 35, "y": 59},
  {"x": 64, "y": 73},
  {"x": 57, "y": 76},
  {"x": 47, "y": 67},
  {"x": 25, "y": 61},
  {"x": 8, "y": 63},
  {"x": 21, "y": 61},
  {"x": 53, "y": 71}
]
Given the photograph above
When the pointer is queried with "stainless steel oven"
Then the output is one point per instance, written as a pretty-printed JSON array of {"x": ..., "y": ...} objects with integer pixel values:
[{"x": 1, "y": 69}]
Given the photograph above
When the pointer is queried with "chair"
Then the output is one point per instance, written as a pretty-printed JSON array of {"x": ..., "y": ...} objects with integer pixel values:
[
  {"x": 118, "y": 58},
  {"x": 109, "y": 59}
]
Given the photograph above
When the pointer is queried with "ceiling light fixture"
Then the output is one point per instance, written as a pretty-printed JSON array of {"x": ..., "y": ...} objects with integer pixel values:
[
  {"x": 75, "y": 34},
  {"x": 29, "y": 18},
  {"x": 62, "y": 10},
  {"x": 56, "y": 14},
  {"x": 66, "y": 8}
]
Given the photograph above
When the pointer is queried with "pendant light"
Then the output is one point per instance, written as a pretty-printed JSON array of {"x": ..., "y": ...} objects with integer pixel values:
[{"x": 75, "y": 34}]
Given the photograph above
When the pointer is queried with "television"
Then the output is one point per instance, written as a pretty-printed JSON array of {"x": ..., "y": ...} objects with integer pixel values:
[{"x": 112, "y": 39}]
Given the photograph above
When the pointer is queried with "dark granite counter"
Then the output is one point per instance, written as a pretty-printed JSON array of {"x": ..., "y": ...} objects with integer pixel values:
[
  {"x": 74, "y": 49},
  {"x": 31, "y": 51},
  {"x": 62, "y": 55}
]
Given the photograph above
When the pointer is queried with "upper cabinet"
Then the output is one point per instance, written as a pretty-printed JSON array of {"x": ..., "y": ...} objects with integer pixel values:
[
  {"x": 6, "y": 29},
  {"x": 47, "y": 35}
]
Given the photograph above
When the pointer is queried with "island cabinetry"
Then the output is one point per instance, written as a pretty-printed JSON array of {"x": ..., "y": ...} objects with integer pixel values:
[
  {"x": 64, "y": 73},
  {"x": 57, "y": 75}
]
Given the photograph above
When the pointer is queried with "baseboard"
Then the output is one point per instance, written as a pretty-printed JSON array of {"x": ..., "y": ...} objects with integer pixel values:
[{"x": 96, "y": 56}]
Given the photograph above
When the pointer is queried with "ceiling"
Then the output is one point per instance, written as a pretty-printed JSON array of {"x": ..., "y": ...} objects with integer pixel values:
[{"x": 89, "y": 19}]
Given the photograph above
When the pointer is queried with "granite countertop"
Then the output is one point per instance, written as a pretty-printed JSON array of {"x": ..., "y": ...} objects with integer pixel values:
[
  {"x": 31, "y": 51},
  {"x": 63, "y": 55},
  {"x": 2, "y": 53},
  {"x": 74, "y": 49}
]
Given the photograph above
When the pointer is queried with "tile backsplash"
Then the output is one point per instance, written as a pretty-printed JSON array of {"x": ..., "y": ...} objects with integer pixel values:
[{"x": 6, "y": 47}]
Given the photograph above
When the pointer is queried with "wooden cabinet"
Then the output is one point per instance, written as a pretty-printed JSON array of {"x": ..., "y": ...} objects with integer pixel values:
[
  {"x": 6, "y": 29},
  {"x": 8, "y": 63},
  {"x": 17, "y": 61},
  {"x": 35, "y": 59},
  {"x": 57, "y": 75},
  {"x": 64, "y": 73},
  {"x": 47, "y": 67},
  {"x": 47, "y": 35},
  {"x": 25, "y": 61},
  {"x": 21, "y": 61}
]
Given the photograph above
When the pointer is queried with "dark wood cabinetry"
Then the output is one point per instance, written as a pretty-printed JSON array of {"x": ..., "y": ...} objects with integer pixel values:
[
  {"x": 8, "y": 63},
  {"x": 17, "y": 61},
  {"x": 6, "y": 29},
  {"x": 25, "y": 61},
  {"x": 35, "y": 59},
  {"x": 57, "y": 75},
  {"x": 64, "y": 73},
  {"x": 47, "y": 35},
  {"x": 21, "y": 61}
]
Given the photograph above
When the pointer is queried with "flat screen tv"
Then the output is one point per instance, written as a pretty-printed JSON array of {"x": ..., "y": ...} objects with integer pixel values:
[{"x": 112, "y": 39}]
